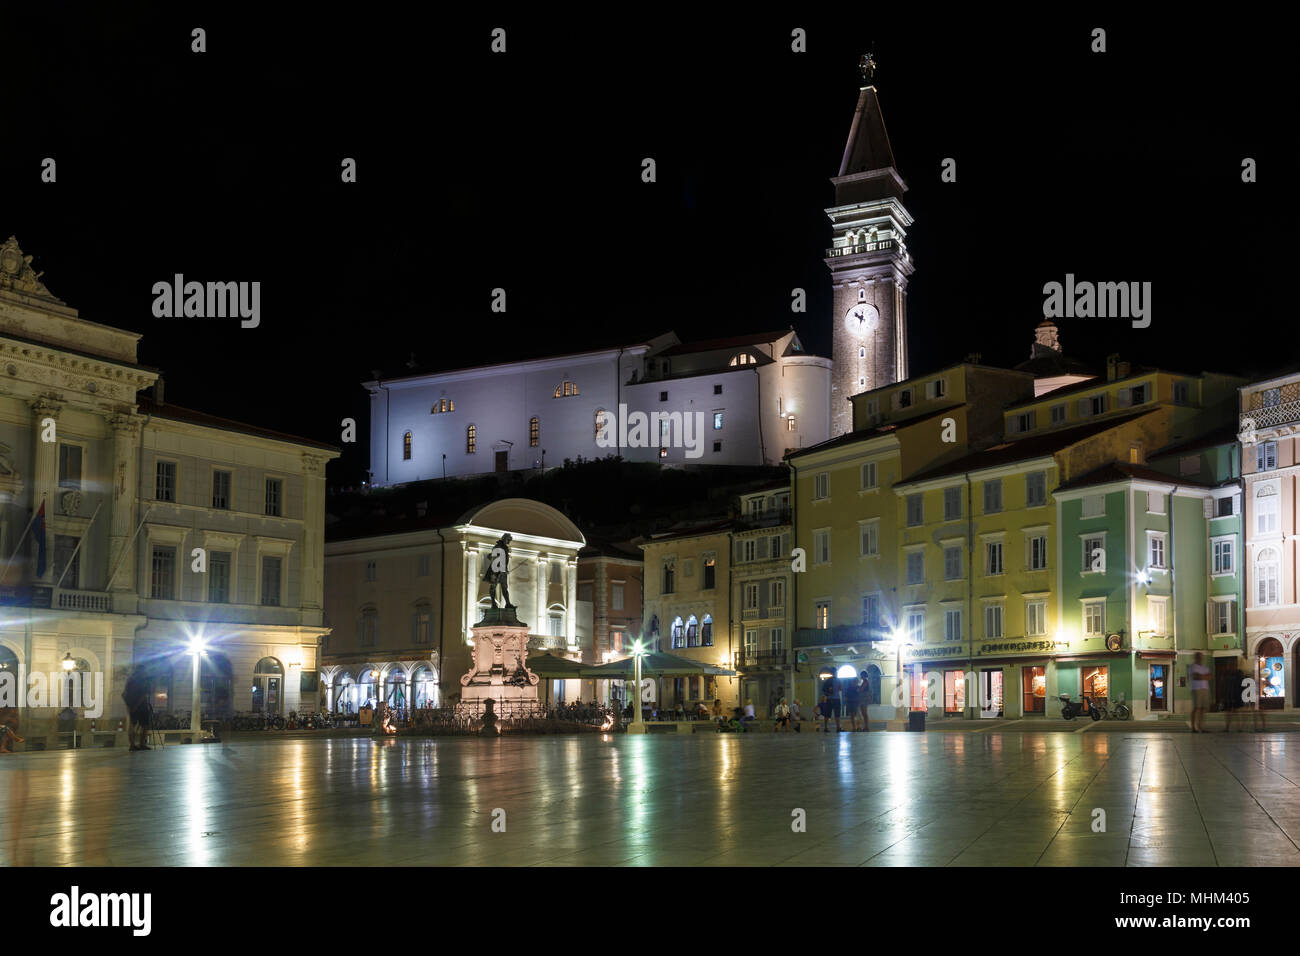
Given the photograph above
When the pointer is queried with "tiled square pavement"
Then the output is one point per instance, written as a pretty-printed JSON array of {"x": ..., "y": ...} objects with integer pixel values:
[{"x": 881, "y": 799}]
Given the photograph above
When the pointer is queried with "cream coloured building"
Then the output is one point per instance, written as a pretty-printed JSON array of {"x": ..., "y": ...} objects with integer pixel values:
[{"x": 161, "y": 524}]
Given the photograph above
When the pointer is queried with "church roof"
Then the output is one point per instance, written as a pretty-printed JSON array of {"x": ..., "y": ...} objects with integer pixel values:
[
  {"x": 868, "y": 146},
  {"x": 716, "y": 345}
]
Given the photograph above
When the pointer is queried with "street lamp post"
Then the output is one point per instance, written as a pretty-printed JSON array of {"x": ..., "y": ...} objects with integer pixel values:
[
  {"x": 638, "y": 725},
  {"x": 196, "y": 651}
]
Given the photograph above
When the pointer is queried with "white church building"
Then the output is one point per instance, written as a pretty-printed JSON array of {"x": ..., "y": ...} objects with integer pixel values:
[{"x": 736, "y": 401}]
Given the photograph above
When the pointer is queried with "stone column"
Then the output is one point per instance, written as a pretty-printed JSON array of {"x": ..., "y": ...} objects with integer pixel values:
[
  {"x": 125, "y": 484},
  {"x": 543, "y": 625},
  {"x": 471, "y": 592},
  {"x": 45, "y": 480},
  {"x": 571, "y": 599},
  {"x": 311, "y": 588}
]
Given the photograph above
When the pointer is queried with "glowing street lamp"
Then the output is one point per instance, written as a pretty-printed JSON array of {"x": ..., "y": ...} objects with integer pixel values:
[{"x": 638, "y": 725}]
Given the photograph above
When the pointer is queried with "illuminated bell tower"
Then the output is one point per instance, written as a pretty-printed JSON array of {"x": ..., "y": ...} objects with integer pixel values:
[{"x": 868, "y": 261}]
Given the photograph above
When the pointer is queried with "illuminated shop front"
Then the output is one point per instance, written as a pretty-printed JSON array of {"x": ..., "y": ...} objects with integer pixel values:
[
  {"x": 1104, "y": 679},
  {"x": 1033, "y": 681},
  {"x": 1270, "y": 665}
]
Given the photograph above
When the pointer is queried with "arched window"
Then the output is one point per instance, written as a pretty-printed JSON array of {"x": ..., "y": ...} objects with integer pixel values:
[
  {"x": 566, "y": 389},
  {"x": 744, "y": 358},
  {"x": 368, "y": 629},
  {"x": 471, "y": 436},
  {"x": 534, "y": 432},
  {"x": 406, "y": 447},
  {"x": 602, "y": 422},
  {"x": 442, "y": 405},
  {"x": 679, "y": 637},
  {"x": 424, "y": 687},
  {"x": 1266, "y": 509},
  {"x": 555, "y": 620},
  {"x": 692, "y": 632},
  {"x": 706, "y": 631},
  {"x": 1268, "y": 573}
]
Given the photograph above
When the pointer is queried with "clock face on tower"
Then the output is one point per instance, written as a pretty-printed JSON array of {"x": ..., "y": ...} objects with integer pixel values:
[{"x": 862, "y": 318}]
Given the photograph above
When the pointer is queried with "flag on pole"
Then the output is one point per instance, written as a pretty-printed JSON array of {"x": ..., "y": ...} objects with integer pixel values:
[{"x": 40, "y": 541}]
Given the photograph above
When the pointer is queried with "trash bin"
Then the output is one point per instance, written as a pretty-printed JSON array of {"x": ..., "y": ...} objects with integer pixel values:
[{"x": 916, "y": 721}]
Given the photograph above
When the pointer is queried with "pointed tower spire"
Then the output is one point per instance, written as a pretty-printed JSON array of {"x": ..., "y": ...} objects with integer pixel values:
[{"x": 868, "y": 260}]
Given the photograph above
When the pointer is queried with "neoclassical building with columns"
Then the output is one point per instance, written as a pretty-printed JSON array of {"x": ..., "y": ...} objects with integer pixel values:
[
  {"x": 161, "y": 525},
  {"x": 402, "y": 601}
]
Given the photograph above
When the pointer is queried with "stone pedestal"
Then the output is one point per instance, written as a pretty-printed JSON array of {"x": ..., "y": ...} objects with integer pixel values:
[{"x": 499, "y": 671}]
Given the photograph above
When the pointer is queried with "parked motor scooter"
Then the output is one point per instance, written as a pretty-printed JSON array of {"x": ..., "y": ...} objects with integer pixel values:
[{"x": 1071, "y": 710}]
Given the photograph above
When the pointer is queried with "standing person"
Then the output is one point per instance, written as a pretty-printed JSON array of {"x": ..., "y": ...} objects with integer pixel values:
[
  {"x": 1200, "y": 675},
  {"x": 831, "y": 704},
  {"x": 852, "y": 704},
  {"x": 864, "y": 701},
  {"x": 782, "y": 713},
  {"x": 135, "y": 694},
  {"x": 796, "y": 718}
]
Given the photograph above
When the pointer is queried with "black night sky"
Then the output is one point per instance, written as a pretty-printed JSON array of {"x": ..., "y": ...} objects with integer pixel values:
[{"x": 523, "y": 171}]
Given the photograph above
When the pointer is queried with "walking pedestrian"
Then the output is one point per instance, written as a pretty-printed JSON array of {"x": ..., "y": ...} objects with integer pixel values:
[
  {"x": 1200, "y": 675},
  {"x": 135, "y": 694}
]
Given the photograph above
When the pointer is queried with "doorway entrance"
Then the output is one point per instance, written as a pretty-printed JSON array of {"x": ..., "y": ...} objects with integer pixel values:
[
  {"x": 268, "y": 686},
  {"x": 990, "y": 702},
  {"x": 502, "y": 461},
  {"x": 1158, "y": 698},
  {"x": 1035, "y": 689}
]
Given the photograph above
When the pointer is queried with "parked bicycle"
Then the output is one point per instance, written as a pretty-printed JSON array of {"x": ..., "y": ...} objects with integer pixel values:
[{"x": 1113, "y": 710}]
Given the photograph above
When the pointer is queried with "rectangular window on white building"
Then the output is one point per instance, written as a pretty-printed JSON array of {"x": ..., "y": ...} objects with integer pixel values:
[
  {"x": 952, "y": 624},
  {"x": 821, "y": 486}
]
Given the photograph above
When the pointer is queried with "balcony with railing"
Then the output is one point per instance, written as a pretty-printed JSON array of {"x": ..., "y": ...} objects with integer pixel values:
[
  {"x": 857, "y": 634},
  {"x": 1264, "y": 417},
  {"x": 67, "y": 599},
  {"x": 747, "y": 657},
  {"x": 859, "y": 248},
  {"x": 749, "y": 614}
]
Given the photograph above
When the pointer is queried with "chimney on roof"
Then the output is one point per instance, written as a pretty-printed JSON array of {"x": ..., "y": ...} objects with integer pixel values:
[
  {"x": 974, "y": 358},
  {"x": 1116, "y": 369}
]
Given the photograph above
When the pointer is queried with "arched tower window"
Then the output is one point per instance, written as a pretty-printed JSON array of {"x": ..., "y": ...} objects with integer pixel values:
[
  {"x": 471, "y": 436},
  {"x": 534, "y": 432},
  {"x": 406, "y": 447},
  {"x": 602, "y": 422}
]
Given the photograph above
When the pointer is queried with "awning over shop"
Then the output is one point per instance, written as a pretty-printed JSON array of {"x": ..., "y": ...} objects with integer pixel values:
[
  {"x": 657, "y": 664},
  {"x": 550, "y": 667}
]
